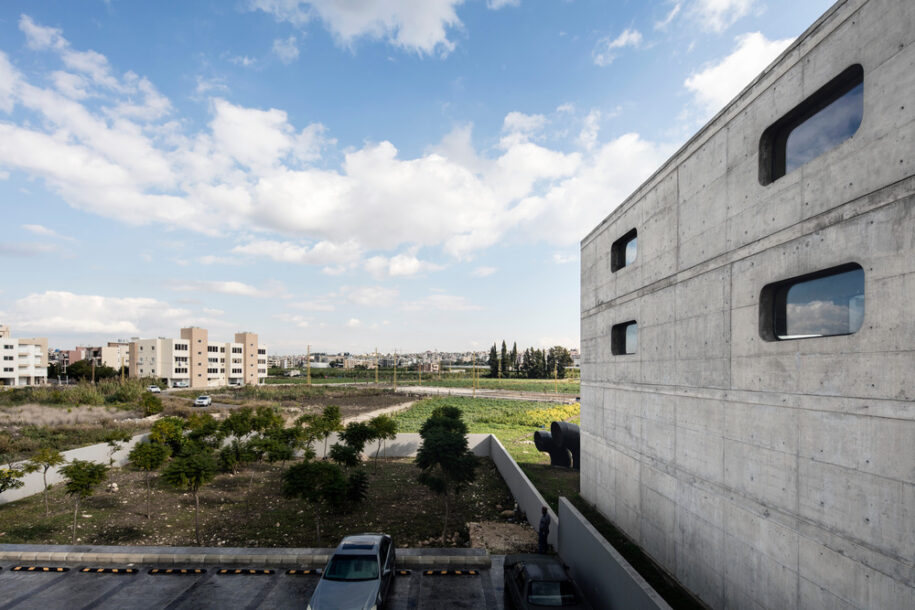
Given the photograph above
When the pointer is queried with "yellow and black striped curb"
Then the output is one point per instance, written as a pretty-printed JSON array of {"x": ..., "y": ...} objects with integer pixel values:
[
  {"x": 186, "y": 571},
  {"x": 403, "y": 572},
  {"x": 38, "y": 569},
  {"x": 110, "y": 570},
  {"x": 315, "y": 572},
  {"x": 451, "y": 573},
  {"x": 233, "y": 571}
]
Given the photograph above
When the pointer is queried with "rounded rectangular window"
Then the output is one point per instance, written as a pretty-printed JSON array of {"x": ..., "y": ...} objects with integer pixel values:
[
  {"x": 821, "y": 304},
  {"x": 624, "y": 338},
  {"x": 623, "y": 251},
  {"x": 818, "y": 124}
]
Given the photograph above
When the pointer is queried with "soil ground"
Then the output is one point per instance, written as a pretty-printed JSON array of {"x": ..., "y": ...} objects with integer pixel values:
[{"x": 248, "y": 510}]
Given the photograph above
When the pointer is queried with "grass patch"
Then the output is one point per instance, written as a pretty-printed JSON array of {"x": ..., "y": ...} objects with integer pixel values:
[{"x": 545, "y": 386}]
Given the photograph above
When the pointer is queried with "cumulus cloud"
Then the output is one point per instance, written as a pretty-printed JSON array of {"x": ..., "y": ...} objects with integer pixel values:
[
  {"x": 401, "y": 265},
  {"x": 420, "y": 27},
  {"x": 718, "y": 83},
  {"x": 320, "y": 253},
  {"x": 56, "y": 312},
  {"x": 606, "y": 49},
  {"x": 718, "y": 15},
  {"x": 287, "y": 49},
  {"x": 354, "y": 323},
  {"x": 272, "y": 289}
]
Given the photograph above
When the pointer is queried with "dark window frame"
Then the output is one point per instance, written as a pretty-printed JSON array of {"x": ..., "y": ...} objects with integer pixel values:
[
  {"x": 774, "y": 140},
  {"x": 618, "y": 345},
  {"x": 618, "y": 251},
  {"x": 773, "y": 307}
]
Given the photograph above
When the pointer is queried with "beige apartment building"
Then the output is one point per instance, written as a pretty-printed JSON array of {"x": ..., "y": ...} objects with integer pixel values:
[
  {"x": 196, "y": 362},
  {"x": 22, "y": 361}
]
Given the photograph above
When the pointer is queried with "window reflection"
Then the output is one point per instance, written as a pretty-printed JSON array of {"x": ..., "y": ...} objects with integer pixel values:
[
  {"x": 624, "y": 338},
  {"x": 826, "y": 129},
  {"x": 827, "y": 304},
  {"x": 623, "y": 251},
  {"x": 630, "y": 250}
]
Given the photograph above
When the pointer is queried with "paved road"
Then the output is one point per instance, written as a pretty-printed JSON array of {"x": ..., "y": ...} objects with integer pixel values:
[{"x": 78, "y": 589}]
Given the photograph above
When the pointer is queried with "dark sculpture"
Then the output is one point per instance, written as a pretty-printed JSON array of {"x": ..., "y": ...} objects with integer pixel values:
[
  {"x": 568, "y": 436},
  {"x": 544, "y": 441}
]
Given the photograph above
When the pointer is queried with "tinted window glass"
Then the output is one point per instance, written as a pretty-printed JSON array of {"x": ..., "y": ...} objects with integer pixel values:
[
  {"x": 826, "y": 129},
  {"x": 624, "y": 338},
  {"x": 623, "y": 251},
  {"x": 820, "y": 305},
  {"x": 551, "y": 593},
  {"x": 352, "y": 567}
]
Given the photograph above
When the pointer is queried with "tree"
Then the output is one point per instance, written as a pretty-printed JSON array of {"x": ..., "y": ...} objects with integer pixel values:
[
  {"x": 170, "y": 431},
  {"x": 82, "y": 479},
  {"x": 45, "y": 459},
  {"x": 329, "y": 422},
  {"x": 148, "y": 456},
  {"x": 503, "y": 362},
  {"x": 447, "y": 465},
  {"x": 11, "y": 478},
  {"x": 558, "y": 359},
  {"x": 237, "y": 425},
  {"x": 324, "y": 486},
  {"x": 204, "y": 430},
  {"x": 115, "y": 438},
  {"x": 514, "y": 358},
  {"x": 150, "y": 404},
  {"x": 384, "y": 428},
  {"x": 191, "y": 472},
  {"x": 82, "y": 370}
]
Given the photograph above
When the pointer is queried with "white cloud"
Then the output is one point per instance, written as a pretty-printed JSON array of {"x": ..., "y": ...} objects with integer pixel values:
[
  {"x": 354, "y": 323},
  {"x": 210, "y": 311},
  {"x": 245, "y": 61},
  {"x": 606, "y": 49},
  {"x": 231, "y": 287},
  {"x": 210, "y": 259},
  {"x": 321, "y": 253},
  {"x": 718, "y": 83},
  {"x": 25, "y": 249},
  {"x": 401, "y": 265},
  {"x": 662, "y": 25},
  {"x": 45, "y": 232},
  {"x": 294, "y": 319},
  {"x": 57, "y": 312},
  {"x": 587, "y": 138},
  {"x": 527, "y": 124},
  {"x": 369, "y": 296},
  {"x": 718, "y": 15},
  {"x": 483, "y": 271},
  {"x": 497, "y": 4},
  {"x": 421, "y": 27},
  {"x": 286, "y": 49}
]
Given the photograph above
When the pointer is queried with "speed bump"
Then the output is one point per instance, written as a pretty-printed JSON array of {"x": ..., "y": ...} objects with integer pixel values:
[
  {"x": 38, "y": 569},
  {"x": 111, "y": 570},
  {"x": 243, "y": 571},
  {"x": 451, "y": 573},
  {"x": 404, "y": 572},
  {"x": 303, "y": 572},
  {"x": 186, "y": 571}
]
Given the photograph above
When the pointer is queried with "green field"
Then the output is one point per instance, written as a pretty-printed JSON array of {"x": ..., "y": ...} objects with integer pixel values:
[{"x": 569, "y": 387}]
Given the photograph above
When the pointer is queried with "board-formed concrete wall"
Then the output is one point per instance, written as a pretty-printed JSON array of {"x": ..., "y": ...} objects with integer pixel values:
[{"x": 770, "y": 474}]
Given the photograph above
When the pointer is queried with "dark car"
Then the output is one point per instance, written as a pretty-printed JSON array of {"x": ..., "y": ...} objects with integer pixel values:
[
  {"x": 358, "y": 575},
  {"x": 539, "y": 581}
]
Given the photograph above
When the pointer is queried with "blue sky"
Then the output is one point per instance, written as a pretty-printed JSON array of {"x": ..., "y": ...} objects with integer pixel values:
[{"x": 347, "y": 174}]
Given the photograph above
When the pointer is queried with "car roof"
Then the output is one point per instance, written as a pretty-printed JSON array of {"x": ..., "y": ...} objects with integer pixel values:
[
  {"x": 360, "y": 543},
  {"x": 539, "y": 567}
]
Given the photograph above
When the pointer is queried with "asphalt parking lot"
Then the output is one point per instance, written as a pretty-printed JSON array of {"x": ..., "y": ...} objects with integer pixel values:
[{"x": 207, "y": 586}]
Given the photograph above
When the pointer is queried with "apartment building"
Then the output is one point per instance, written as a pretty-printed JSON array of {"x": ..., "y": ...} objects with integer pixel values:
[
  {"x": 22, "y": 361},
  {"x": 747, "y": 334},
  {"x": 196, "y": 362}
]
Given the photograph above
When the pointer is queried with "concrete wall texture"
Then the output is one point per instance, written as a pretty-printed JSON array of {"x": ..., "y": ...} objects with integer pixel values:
[{"x": 761, "y": 473}]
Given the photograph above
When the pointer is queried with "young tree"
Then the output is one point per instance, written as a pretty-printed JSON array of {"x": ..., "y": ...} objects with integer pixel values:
[
  {"x": 329, "y": 422},
  {"x": 493, "y": 361},
  {"x": 82, "y": 479},
  {"x": 447, "y": 465},
  {"x": 115, "y": 438},
  {"x": 148, "y": 457},
  {"x": 384, "y": 428},
  {"x": 191, "y": 472},
  {"x": 150, "y": 404},
  {"x": 324, "y": 486},
  {"x": 237, "y": 425},
  {"x": 170, "y": 431},
  {"x": 11, "y": 478},
  {"x": 45, "y": 459}
]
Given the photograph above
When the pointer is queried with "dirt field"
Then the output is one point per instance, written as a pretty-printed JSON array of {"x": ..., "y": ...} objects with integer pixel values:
[
  {"x": 41, "y": 415},
  {"x": 246, "y": 510}
]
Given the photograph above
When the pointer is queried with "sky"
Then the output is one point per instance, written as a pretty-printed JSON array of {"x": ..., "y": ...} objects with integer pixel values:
[{"x": 344, "y": 174}]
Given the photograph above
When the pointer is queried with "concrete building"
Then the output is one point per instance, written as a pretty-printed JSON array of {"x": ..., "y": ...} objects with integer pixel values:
[
  {"x": 196, "y": 362},
  {"x": 748, "y": 334},
  {"x": 22, "y": 361}
]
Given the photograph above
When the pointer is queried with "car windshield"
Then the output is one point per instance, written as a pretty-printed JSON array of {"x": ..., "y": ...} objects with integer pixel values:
[
  {"x": 551, "y": 593},
  {"x": 352, "y": 567}
]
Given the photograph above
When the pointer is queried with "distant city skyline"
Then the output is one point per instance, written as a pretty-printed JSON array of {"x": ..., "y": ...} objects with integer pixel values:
[{"x": 407, "y": 176}]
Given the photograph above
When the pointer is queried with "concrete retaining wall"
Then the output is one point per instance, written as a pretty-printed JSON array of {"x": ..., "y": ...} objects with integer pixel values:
[{"x": 606, "y": 579}]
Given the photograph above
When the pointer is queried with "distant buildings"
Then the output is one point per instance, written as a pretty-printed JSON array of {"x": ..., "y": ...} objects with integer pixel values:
[
  {"x": 196, "y": 362},
  {"x": 24, "y": 361}
]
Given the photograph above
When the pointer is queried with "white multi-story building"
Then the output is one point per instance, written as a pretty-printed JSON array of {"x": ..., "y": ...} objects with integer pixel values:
[
  {"x": 195, "y": 361},
  {"x": 22, "y": 361}
]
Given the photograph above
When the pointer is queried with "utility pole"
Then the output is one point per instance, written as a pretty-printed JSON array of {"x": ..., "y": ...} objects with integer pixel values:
[
  {"x": 420, "y": 366},
  {"x": 474, "y": 373},
  {"x": 376, "y": 366},
  {"x": 499, "y": 363},
  {"x": 556, "y": 376},
  {"x": 308, "y": 363}
]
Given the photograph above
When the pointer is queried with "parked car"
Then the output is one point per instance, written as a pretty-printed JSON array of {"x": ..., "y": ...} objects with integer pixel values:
[
  {"x": 537, "y": 581},
  {"x": 181, "y": 384},
  {"x": 358, "y": 575},
  {"x": 154, "y": 389},
  {"x": 203, "y": 401}
]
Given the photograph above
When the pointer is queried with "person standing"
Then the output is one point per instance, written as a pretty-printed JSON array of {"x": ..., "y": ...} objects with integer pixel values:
[{"x": 543, "y": 531}]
